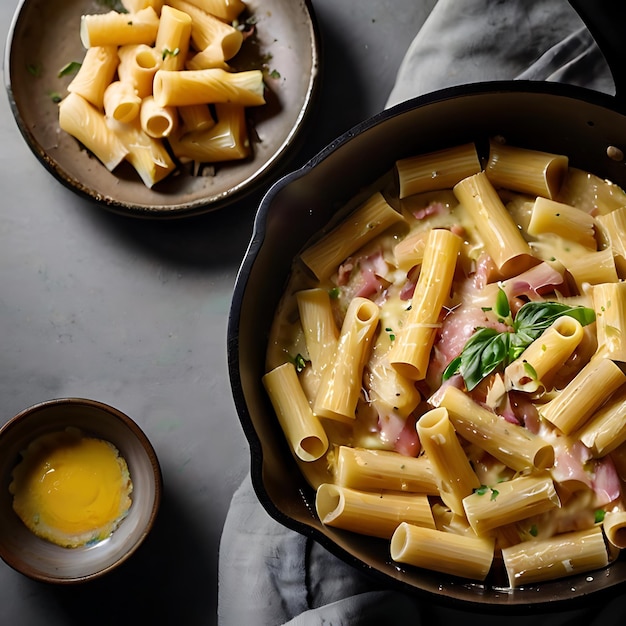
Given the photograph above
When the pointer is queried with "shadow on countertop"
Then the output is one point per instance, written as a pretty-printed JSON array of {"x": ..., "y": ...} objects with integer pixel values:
[{"x": 171, "y": 579}]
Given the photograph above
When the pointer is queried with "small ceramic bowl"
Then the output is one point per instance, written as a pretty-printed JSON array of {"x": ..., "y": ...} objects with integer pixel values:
[{"x": 42, "y": 560}]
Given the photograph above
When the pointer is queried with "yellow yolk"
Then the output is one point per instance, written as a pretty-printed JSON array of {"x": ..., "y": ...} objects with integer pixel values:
[{"x": 71, "y": 489}]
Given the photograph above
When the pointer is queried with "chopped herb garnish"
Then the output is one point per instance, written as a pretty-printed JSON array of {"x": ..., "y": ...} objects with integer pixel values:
[
  {"x": 34, "y": 69},
  {"x": 488, "y": 349},
  {"x": 55, "y": 96},
  {"x": 533, "y": 530},
  {"x": 274, "y": 74},
  {"x": 300, "y": 362},
  {"x": 483, "y": 489},
  {"x": 599, "y": 515},
  {"x": 170, "y": 53},
  {"x": 391, "y": 334},
  {"x": 71, "y": 68},
  {"x": 530, "y": 370},
  {"x": 334, "y": 293}
]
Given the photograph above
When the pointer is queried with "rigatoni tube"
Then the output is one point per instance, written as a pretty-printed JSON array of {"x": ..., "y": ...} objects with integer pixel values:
[
  {"x": 172, "y": 88},
  {"x": 376, "y": 514},
  {"x": 305, "y": 434},
  {"x": 609, "y": 303},
  {"x": 196, "y": 118},
  {"x": 454, "y": 474},
  {"x": 95, "y": 74},
  {"x": 207, "y": 30},
  {"x": 568, "y": 222},
  {"x": 587, "y": 391},
  {"x": 593, "y": 268},
  {"x": 410, "y": 352},
  {"x": 119, "y": 29},
  {"x": 502, "y": 238},
  {"x": 121, "y": 102},
  {"x": 157, "y": 121},
  {"x": 458, "y": 555},
  {"x": 436, "y": 170},
  {"x": 513, "y": 445},
  {"x": 613, "y": 231},
  {"x": 368, "y": 221},
  {"x": 340, "y": 384},
  {"x": 362, "y": 468},
  {"x": 84, "y": 122},
  {"x": 318, "y": 325},
  {"x": 510, "y": 501},
  {"x": 606, "y": 429},
  {"x": 227, "y": 140},
  {"x": 533, "y": 172},
  {"x": 172, "y": 40},
  {"x": 138, "y": 65},
  {"x": 147, "y": 155},
  {"x": 562, "y": 555},
  {"x": 390, "y": 391}
]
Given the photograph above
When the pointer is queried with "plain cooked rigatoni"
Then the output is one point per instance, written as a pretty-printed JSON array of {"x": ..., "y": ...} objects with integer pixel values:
[
  {"x": 488, "y": 378},
  {"x": 159, "y": 71}
]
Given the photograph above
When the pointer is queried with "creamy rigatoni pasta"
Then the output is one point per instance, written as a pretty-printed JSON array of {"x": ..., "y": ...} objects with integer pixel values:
[
  {"x": 155, "y": 87},
  {"x": 461, "y": 346}
]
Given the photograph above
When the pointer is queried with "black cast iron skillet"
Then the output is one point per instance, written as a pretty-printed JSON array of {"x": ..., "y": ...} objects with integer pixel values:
[{"x": 554, "y": 117}]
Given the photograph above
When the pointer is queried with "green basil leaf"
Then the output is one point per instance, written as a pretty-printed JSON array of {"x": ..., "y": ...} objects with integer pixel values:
[
  {"x": 582, "y": 314},
  {"x": 452, "y": 368},
  {"x": 502, "y": 307},
  {"x": 487, "y": 349},
  {"x": 70, "y": 68},
  {"x": 482, "y": 354},
  {"x": 535, "y": 317}
]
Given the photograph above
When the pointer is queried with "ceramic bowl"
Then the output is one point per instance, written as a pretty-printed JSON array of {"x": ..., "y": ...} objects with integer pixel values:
[
  {"x": 44, "y": 38},
  {"x": 42, "y": 560}
]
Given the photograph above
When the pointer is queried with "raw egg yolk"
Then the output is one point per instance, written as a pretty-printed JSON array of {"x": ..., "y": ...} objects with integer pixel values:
[{"x": 71, "y": 489}]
